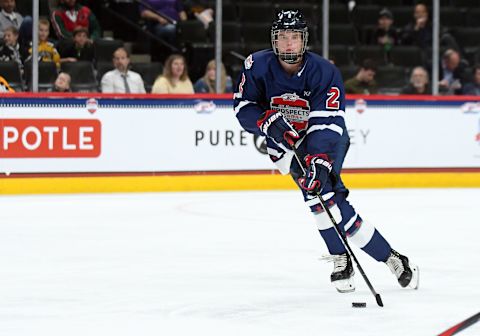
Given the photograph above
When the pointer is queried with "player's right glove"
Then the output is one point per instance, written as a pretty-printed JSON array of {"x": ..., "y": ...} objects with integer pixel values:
[
  {"x": 318, "y": 170},
  {"x": 274, "y": 125}
]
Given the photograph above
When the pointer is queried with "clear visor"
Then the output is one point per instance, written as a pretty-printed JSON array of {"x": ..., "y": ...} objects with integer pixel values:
[{"x": 289, "y": 44}]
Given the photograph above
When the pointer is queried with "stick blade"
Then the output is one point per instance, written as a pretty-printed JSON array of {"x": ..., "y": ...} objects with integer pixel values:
[{"x": 379, "y": 300}]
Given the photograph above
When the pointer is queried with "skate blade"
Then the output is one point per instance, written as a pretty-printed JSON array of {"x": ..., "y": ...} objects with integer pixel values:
[
  {"x": 345, "y": 286},
  {"x": 415, "y": 277}
]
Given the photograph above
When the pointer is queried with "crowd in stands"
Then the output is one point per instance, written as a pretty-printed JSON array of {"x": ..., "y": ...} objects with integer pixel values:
[{"x": 378, "y": 48}]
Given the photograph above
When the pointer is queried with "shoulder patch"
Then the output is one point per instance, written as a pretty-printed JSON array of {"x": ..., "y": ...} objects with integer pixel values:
[{"x": 248, "y": 62}]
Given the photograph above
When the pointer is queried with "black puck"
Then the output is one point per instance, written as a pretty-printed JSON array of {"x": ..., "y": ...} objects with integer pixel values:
[{"x": 359, "y": 304}]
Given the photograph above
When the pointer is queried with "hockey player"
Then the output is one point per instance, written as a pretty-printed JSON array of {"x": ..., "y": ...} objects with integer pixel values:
[{"x": 294, "y": 97}]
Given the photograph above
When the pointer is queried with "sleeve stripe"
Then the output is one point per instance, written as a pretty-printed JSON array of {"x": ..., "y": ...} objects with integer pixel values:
[
  {"x": 273, "y": 152},
  {"x": 242, "y": 104},
  {"x": 326, "y": 114},
  {"x": 331, "y": 127},
  {"x": 316, "y": 200}
]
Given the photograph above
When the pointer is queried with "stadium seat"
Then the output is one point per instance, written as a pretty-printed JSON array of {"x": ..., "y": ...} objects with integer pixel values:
[
  {"x": 197, "y": 59},
  {"x": 408, "y": 56},
  {"x": 340, "y": 54},
  {"x": 104, "y": 49},
  {"x": 385, "y": 3},
  {"x": 231, "y": 32},
  {"x": 365, "y": 15},
  {"x": 374, "y": 52},
  {"x": 366, "y": 34},
  {"x": 472, "y": 17},
  {"x": 391, "y": 79},
  {"x": 451, "y": 17},
  {"x": 258, "y": 34},
  {"x": 102, "y": 69},
  {"x": 338, "y": 14},
  {"x": 348, "y": 71},
  {"x": 463, "y": 3},
  {"x": 468, "y": 37},
  {"x": 83, "y": 77},
  {"x": 341, "y": 34},
  {"x": 11, "y": 72},
  {"x": 149, "y": 72},
  {"x": 25, "y": 7},
  {"x": 257, "y": 12},
  {"x": 402, "y": 16},
  {"x": 47, "y": 73},
  {"x": 229, "y": 12},
  {"x": 191, "y": 31}
]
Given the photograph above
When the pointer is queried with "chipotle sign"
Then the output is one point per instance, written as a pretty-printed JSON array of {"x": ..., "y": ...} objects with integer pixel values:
[{"x": 50, "y": 138}]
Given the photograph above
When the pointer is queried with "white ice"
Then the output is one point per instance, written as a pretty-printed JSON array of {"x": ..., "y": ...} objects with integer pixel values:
[{"x": 229, "y": 263}]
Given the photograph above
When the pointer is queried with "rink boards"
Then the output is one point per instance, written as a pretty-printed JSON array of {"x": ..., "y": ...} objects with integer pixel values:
[{"x": 106, "y": 143}]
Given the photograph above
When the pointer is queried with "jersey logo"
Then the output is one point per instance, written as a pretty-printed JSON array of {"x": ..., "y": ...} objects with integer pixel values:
[
  {"x": 248, "y": 62},
  {"x": 294, "y": 108},
  {"x": 301, "y": 71}
]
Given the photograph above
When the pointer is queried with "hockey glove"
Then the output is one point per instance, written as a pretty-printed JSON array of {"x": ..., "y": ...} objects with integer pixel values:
[
  {"x": 317, "y": 173},
  {"x": 274, "y": 125}
]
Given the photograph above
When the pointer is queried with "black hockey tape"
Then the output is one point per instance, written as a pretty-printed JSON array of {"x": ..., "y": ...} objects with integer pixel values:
[{"x": 359, "y": 304}]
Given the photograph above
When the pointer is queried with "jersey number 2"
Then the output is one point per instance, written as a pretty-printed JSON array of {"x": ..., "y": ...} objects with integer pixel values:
[{"x": 332, "y": 100}]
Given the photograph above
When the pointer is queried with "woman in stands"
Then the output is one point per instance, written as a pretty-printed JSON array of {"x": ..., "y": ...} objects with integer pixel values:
[
  {"x": 206, "y": 84},
  {"x": 174, "y": 78}
]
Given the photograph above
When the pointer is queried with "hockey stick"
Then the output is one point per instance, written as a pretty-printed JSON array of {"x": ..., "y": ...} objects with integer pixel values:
[
  {"x": 342, "y": 236},
  {"x": 462, "y": 325}
]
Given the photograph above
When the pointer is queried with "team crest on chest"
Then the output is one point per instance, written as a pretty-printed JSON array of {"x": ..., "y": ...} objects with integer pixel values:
[
  {"x": 248, "y": 62},
  {"x": 294, "y": 108}
]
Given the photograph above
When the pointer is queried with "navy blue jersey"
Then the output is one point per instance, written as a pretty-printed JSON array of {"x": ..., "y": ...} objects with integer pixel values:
[{"x": 313, "y": 100}]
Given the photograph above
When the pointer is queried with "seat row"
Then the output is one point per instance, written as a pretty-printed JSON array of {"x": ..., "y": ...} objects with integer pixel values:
[{"x": 85, "y": 78}]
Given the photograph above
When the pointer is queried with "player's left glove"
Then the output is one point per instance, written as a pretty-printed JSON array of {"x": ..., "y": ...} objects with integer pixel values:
[
  {"x": 317, "y": 173},
  {"x": 275, "y": 126}
]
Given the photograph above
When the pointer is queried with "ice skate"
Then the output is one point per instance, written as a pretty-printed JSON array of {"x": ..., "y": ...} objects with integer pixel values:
[
  {"x": 342, "y": 275},
  {"x": 407, "y": 273}
]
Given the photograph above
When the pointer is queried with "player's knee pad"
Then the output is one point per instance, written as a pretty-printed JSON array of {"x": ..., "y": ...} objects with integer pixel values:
[
  {"x": 358, "y": 231},
  {"x": 322, "y": 219}
]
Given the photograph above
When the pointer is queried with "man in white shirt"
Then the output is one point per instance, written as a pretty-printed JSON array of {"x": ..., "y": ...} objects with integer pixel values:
[{"x": 122, "y": 80}]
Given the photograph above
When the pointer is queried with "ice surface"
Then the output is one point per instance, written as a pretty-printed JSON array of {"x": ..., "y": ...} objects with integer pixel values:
[{"x": 229, "y": 263}]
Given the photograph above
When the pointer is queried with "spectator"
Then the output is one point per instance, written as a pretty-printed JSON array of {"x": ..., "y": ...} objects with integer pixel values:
[
  {"x": 385, "y": 34},
  {"x": 473, "y": 88},
  {"x": 453, "y": 73},
  {"x": 46, "y": 49},
  {"x": 174, "y": 78},
  {"x": 122, "y": 80},
  {"x": 70, "y": 15},
  {"x": 4, "y": 86},
  {"x": 418, "y": 32},
  {"x": 9, "y": 17},
  {"x": 206, "y": 84},
  {"x": 11, "y": 50},
  {"x": 419, "y": 82},
  {"x": 364, "y": 80},
  {"x": 62, "y": 83},
  {"x": 200, "y": 10},
  {"x": 157, "y": 24},
  {"x": 80, "y": 48}
]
